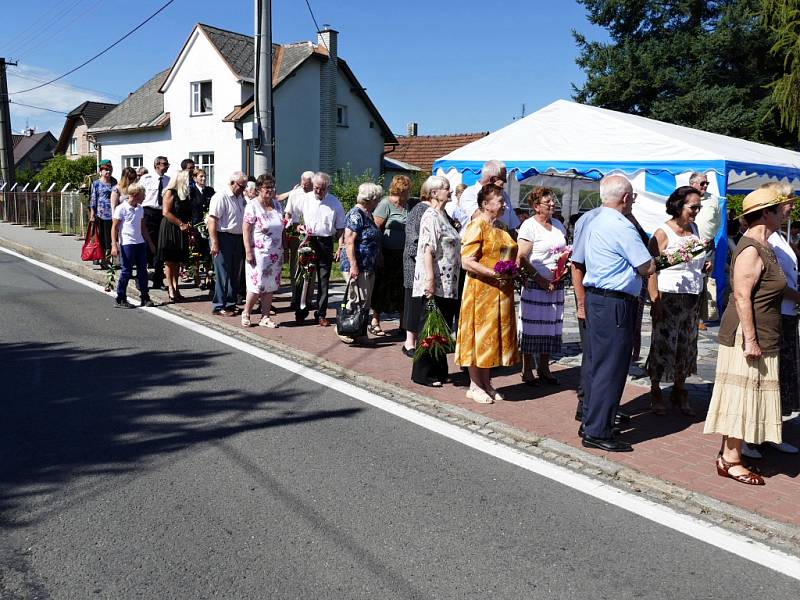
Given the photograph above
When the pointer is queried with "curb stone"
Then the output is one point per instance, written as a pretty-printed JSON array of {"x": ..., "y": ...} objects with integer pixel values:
[{"x": 782, "y": 536}]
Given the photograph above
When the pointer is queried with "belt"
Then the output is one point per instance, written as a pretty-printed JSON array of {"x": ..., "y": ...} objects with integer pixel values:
[
  {"x": 611, "y": 293},
  {"x": 151, "y": 209}
]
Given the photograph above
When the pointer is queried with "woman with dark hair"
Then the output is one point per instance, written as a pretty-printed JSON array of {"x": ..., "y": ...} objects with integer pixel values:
[
  {"x": 200, "y": 195},
  {"x": 390, "y": 217},
  {"x": 542, "y": 240},
  {"x": 675, "y": 301},
  {"x": 487, "y": 332},
  {"x": 173, "y": 234},
  {"x": 746, "y": 402},
  {"x": 100, "y": 206}
]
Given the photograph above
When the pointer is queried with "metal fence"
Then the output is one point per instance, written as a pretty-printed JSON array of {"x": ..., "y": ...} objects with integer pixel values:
[{"x": 58, "y": 212}]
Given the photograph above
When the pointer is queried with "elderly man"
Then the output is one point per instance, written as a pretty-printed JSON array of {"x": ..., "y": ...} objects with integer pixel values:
[
  {"x": 709, "y": 222},
  {"x": 290, "y": 198},
  {"x": 225, "y": 217},
  {"x": 154, "y": 185},
  {"x": 493, "y": 172},
  {"x": 323, "y": 217},
  {"x": 615, "y": 260}
]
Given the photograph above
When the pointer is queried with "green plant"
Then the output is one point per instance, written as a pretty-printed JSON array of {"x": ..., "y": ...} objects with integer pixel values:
[
  {"x": 344, "y": 185},
  {"x": 61, "y": 170}
]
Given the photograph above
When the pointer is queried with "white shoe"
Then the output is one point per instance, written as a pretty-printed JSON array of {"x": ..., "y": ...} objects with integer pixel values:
[
  {"x": 479, "y": 396},
  {"x": 784, "y": 447},
  {"x": 750, "y": 452}
]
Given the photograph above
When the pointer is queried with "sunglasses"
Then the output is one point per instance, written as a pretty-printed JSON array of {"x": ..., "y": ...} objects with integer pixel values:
[
  {"x": 702, "y": 183},
  {"x": 694, "y": 207}
]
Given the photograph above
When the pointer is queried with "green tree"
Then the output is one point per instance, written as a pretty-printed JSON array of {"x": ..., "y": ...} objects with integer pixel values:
[
  {"x": 61, "y": 170},
  {"x": 699, "y": 63},
  {"x": 344, "y": 185},
  {"x": 782, "y": 17}
]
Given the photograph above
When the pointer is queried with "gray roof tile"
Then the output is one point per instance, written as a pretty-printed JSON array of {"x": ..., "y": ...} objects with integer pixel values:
[{"x": 141, "y": 109}]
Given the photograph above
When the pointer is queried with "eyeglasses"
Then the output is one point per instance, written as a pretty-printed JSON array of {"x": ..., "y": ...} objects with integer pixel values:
[
  {"x": 163, "y": 164},
  {"x": 694, "y": 207},
  {"x": 633, "y": 195}
]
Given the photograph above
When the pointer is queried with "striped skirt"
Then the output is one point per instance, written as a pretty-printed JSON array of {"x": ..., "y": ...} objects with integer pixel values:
[
  {"x": 745, "y": 403},
  {"x": 542, "y": 317}
]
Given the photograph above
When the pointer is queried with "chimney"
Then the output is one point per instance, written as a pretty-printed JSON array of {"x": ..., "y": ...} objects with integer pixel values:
[
  {"x": 327, "y": 100},
  {"x": 411, "y": 129},
  {"x": 29, "y": 131}
]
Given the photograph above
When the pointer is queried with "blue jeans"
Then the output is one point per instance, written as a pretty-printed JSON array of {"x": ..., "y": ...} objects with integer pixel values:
[
  {"x": 130, "y": 255},
  {"x": 228, "y": 265}
]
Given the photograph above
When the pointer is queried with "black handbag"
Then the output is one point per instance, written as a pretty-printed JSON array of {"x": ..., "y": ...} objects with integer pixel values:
[{"x": 352, "y": 321}]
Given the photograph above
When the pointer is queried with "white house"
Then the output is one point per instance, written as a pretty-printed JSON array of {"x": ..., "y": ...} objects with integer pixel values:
[{"x": 201, "y": 107}]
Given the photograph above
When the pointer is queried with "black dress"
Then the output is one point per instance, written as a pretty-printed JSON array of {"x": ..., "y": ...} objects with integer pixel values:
[
  {"x": 173, "y": 244},
  {"x": 200, "y": 202}
]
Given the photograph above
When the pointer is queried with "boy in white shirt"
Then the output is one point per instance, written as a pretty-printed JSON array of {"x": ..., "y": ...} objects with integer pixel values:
[{"x": 128, "y": 227}]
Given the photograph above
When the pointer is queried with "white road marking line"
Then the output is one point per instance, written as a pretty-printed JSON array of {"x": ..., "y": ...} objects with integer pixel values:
[{"x": 739, "y": 545}]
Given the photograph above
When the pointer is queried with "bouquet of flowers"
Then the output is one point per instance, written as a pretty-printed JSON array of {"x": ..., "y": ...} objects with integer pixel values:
[
  {"x": 111, "y": 272},
  {"x": 294, "y": 231},
  {"x": 690, "y": 248},
  {"x": 435, "y": 339},
  {"x": 562, "y": 265},
  {"x": 508, "y": 270}
]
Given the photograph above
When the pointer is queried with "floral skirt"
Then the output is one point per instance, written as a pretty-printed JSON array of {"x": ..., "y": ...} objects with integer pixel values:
[
  {"x": 265, "y": 276},
  {"x": 673, "y": 346},
  {"x": 746, "y": 402},
  {"x": 542, "y": 317}
]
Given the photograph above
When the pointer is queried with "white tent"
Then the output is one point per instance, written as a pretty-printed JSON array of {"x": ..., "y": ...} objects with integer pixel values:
[{"x": 589, "y": 142}]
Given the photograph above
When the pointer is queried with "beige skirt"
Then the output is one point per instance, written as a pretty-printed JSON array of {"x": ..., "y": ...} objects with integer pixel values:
[{"x": 746, "y": 402}]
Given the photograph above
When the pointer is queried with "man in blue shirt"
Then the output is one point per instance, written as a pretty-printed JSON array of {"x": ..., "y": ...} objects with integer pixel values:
[{"x": 615, "y": 259}]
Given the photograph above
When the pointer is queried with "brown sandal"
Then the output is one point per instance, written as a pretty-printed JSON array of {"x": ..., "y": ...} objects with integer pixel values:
[
  {"x": 680, "y": 398},
  {"x": 749, "y": 478}
]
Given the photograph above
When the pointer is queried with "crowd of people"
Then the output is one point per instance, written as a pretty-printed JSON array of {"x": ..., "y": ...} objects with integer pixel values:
[{"x": 463, "y": 253}]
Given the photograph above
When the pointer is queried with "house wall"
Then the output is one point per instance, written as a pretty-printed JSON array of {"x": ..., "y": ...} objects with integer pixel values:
[
  {"x": 83, "y": 143},
  {"x": 358, "y": 146},
  {"x": 297, "y": 130},
  {"x": 39, "y": 154},
  {"x": 149, "y": 144}
]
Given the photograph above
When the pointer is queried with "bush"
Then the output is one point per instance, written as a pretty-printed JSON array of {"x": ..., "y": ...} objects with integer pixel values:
[
  {"x": 344, "y": 185},
  {"x": 61, "y": 170}
]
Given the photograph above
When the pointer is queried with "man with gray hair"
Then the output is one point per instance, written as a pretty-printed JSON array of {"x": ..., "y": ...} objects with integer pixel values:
[
  {"x": 324, "y": 219},
  {"x": 225, "y": 218},
  {"x": 616, "y": 259},
  {"x": 494, "y": 172},
  {"x": 709, "y": 222},
  {"x": 290, "y": 214}
]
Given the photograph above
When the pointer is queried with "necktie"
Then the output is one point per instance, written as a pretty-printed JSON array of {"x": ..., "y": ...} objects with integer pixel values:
[{"x": 160, "y": 190}]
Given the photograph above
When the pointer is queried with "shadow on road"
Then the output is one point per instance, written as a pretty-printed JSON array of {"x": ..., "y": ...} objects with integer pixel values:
[{"x": 70, "y": 414}]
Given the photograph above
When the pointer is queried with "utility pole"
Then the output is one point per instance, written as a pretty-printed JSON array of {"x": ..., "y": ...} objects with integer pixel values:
[
  {"x": 264, "y": 158},
  {"x": 6, "y": 141}
]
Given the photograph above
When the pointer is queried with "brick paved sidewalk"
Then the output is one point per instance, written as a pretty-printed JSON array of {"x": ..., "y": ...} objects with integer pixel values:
[{"x": 671, "y": 448}]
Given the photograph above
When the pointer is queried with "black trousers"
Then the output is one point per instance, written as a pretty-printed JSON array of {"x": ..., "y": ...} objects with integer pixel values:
[
  {"x": 579, "y": 391},
  {"x": 606, "y": 357},
  {"x": 104, "y": 233},
  {"x": 323, "y": 249},
  {"x": 152, "y": 221}
]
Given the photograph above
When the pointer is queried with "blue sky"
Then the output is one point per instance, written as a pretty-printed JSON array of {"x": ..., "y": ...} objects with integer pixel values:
[{"x": 450, "y": 65}]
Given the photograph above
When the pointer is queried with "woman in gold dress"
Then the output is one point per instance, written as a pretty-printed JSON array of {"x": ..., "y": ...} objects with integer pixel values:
[{"x": 487, "y": 332}]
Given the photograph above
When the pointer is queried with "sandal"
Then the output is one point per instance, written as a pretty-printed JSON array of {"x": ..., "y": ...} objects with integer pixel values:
[
  {"x": 493, "y": 393},
  {"x": 376, "y": 330},
  {"x": 267, "y": 322},
  {"x": 479, "y": 396},
  {"x": 748, "y": 478},
  {"x": 548, "y": 378},
  {"x": 246, "y": 320}
]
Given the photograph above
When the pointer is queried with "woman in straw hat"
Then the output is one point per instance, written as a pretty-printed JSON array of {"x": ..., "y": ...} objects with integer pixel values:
[{"x": 746, "y": 404}]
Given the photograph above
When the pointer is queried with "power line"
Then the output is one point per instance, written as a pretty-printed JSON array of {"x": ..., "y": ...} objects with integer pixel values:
[
  {"x": 23, "y": 33},
  {"x": 62, "y": 26},
  {"x": 65, "y": 85},
  {"x": 99, "y": 54},
  {"x": 313, "y": 18},
  {"x": 60, "y": 112},
  {"x": 34, "y": 37}
]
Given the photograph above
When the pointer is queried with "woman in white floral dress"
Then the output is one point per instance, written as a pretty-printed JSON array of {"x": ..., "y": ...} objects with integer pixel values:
[{"x": 263, "y": 246}]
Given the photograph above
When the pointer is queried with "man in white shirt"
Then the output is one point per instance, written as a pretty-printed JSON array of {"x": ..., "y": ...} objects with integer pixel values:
[
  {"x": 323, "y": 217},
  {"x": 225, "y": 218},
  {"x": 154, "y": 185},
  {"x": 290, "y": 198},
  {"x": 709, "y": 222},
  {"x": 493, "y": 172}
]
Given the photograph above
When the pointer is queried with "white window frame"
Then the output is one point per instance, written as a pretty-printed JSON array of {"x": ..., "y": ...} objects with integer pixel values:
[
  {"x": 73, "y": 146},
  {"x": 204, "y": 160},
  {"x": 133, "y": 160},
  {"x": 196, "y": 98},
  {"x": 92, "y": 147},
  {"x": 341, "y": 115}
]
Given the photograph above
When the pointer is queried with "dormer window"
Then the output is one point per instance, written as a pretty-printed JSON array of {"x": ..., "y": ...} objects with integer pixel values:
[{"x": 201, "y": 98}]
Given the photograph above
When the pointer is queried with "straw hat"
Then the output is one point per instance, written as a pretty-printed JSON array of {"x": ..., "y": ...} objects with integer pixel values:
[{"x": 762, "y": 198}]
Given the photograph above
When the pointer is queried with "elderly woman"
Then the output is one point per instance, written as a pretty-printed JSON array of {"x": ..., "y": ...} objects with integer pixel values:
[
  {"x": 542, "y": 240},
  {"x": 100, "y": 211},
  {"x": 262, "y": 234},
  {"x": 487, "y": 333},
  {"x": 361, "y": 248},
  {"x": 746, "y": 404},
  {"x": 390, "y": 217},
  {"x": 413, "y": 308},
  {"x": 436, "y": 271},
  {"x": 173, "y": 235},
  {"x": 675, "y": 302}
]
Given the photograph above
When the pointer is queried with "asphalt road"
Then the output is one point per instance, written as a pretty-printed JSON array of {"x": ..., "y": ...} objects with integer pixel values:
[{"x": 141, "y": 460}]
